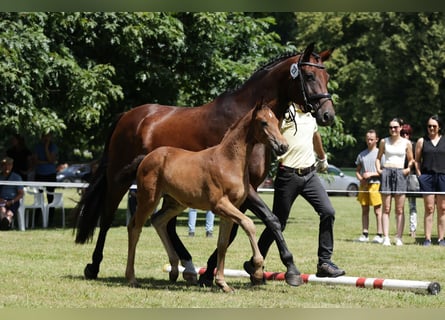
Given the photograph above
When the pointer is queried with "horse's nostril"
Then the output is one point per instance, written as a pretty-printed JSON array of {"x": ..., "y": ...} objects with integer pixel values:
[{"x": 327, "y": 117}]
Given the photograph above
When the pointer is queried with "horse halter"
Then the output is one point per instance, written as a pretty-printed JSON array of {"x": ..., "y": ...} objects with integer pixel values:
[{"x": 309, "y": 105}]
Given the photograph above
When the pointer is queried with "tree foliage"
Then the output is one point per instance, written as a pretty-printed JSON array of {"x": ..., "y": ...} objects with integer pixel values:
[
  {"x": 386, "y": 65},
  {"x": 72, "y": 73}
]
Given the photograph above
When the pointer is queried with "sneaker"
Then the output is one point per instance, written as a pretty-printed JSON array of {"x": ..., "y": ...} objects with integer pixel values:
[
  {"x": 441, "y": 242},
  {"x": 386, "y": 241},
  {"x": 398, "y": 242},
  {"x": 363, "y": 238},
  {"x": 209, "y": 234},
  {"x": 377, "y": 239},
  {"x": 191, "y": 234},
  {"x": 427, "y": 243},
  {"x": 330, "y": 270}
]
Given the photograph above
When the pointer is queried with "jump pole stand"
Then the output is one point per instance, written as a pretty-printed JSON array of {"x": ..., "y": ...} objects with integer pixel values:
[{"x": 432, "y": 288}]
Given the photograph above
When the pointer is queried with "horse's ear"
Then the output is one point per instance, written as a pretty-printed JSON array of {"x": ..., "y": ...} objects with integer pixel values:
[
  {"x": 308, "y": 51},
  {"x": 325, "y": 55},
  {"x": 259, "y": 104}
]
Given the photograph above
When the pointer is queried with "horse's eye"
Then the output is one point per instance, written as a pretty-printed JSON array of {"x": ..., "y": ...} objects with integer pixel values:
[
  {"x": 309, "y": 77},
  {"x": 264, "y": 123}
]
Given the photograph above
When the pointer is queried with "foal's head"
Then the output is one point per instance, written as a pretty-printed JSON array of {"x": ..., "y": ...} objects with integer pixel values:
[{"x": 266, "y": 129}]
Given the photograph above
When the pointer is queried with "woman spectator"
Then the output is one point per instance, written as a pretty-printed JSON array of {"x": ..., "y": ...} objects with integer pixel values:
[
  {"x": 430, "y": 167},
  {"x": 393, "y": 184}
]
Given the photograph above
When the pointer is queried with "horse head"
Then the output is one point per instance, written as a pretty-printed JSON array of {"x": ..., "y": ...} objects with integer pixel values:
[
  {"x": 266, "y": 129},
  {"x": 311, "y": 78}
]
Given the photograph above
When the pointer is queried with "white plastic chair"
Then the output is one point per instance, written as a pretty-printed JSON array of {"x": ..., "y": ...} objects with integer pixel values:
[
  {"x": 38, "y": 203},
  {"x": 56, "y": 203}
]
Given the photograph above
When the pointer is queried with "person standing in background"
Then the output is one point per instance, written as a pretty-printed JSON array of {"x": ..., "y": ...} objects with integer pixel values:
[
  {"x": 21, "y": 155},
  {"x": 369, "y": 194},
  {"x": 45, "y": 159},
  {"x": 406, "y": 133},
  {"x": 393, "y": 173},
  {"x": 430, "y": 168},
  {"x": 210, "y": 218}
]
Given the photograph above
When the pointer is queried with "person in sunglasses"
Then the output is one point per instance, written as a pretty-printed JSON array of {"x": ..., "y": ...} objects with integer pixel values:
[
  {"x": 430, "y": 168},
  {"x": 393, "y": 177}
]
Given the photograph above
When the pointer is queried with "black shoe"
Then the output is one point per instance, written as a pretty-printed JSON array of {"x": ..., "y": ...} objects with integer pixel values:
[
  {"x": 248, "y": 267},
  {"x": 5, "y": 224},
  {"x": 209, "y": 234},
  {"x": 330, "y": 270},
  {"x": 191, "y": 234}
]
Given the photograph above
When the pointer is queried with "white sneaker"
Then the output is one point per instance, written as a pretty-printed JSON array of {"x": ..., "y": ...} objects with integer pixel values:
[
  {"x": 377, "y": 239},
  {"x": 363, "y": 238},
  {"x": 386, "y": 241},
  {"x": 399, "y": 242}
]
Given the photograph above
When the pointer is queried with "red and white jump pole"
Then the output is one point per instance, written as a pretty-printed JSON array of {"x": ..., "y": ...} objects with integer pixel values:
[{"x": 432, "y": 288}]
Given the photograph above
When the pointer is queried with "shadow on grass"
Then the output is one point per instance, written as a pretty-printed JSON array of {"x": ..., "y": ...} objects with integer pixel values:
[{"x": 163, "y": 284}]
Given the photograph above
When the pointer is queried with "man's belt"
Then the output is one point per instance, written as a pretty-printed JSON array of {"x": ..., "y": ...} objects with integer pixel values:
[{"x": 298, "y": 171}]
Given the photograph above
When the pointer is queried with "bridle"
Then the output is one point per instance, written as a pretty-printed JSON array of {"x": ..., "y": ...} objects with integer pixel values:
[{"x": 311, "y": 102}]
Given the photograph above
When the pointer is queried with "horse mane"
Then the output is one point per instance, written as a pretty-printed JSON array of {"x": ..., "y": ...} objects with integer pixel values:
[{"x": 264, "y": 67}]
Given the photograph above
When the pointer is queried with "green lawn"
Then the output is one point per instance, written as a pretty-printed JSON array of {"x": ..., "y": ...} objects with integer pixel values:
[{"x": 44, "y": 267}]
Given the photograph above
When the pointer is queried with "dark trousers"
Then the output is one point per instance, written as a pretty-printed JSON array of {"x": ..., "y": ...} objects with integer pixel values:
[
  {"x": 288, "y": 186},
  {"x": 49, "y": 197}
]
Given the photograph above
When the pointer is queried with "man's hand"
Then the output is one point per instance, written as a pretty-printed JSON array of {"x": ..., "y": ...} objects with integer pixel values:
[{"x": 322, "y": 165}]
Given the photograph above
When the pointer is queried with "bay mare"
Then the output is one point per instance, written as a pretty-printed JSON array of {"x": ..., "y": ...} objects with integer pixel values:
[
  {"x": 215, "y": 178},
  {"x": 295, "y": 78}
]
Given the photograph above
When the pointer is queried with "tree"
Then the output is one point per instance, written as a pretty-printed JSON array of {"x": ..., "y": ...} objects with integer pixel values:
[
  {"x": 385, "y": 65},
  {"x": 71, "y": 73}
]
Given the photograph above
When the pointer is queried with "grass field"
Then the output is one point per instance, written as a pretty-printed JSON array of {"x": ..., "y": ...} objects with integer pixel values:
[{"x": 43, "y": 268}]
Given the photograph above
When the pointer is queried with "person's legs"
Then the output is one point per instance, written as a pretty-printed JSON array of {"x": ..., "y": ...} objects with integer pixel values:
[
  {"x": 400, "y": 217},
  {"x": 386, "y": 199},
  {"x": 365, "y": 222},
  {"x": 440, "y": 204},
  {"x": 192, "y": 221},
  {"x": 210, "y": 218},
  {"x": 287, "y": 186},
  {"x": 429, "y": 205},
  {"x": 378, "y": 218},
  {"x": 363, "y": 198},
  {"x": 412, "y": 216}
]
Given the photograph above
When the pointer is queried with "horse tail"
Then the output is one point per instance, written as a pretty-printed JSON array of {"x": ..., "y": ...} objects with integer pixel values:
[
  {"x": 127, "y": 174},
  {"x": 91, "y": 204}
]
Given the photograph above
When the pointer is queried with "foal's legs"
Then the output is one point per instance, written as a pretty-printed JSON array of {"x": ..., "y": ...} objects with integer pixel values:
[
  {"x": 260, "y": 209},
  {"x": 160, "y": 221},
  {"x": 228, "y": 211}
]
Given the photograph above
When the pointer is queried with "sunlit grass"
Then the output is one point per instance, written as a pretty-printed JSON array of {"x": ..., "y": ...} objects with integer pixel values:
[{"x": 44, "y": 267}]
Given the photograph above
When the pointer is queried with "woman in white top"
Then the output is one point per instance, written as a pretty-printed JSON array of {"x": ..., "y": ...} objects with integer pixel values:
[{"x": 393, "y": 174}]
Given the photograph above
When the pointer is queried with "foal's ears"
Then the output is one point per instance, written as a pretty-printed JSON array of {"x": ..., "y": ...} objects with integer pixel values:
[{"x": 260, "y": 105}]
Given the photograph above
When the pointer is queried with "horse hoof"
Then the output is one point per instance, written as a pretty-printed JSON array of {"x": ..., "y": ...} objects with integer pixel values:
[
  {"x": 90, "y": 273},
  {"x": 249, "y": 268},
  {"x": 205, "y": 281},
  {"x": 173, "y": 275},
  {"x": 190, "y": 277},
  {"x": 224, "y": 286},
  {"x": 293, "y": 279}
]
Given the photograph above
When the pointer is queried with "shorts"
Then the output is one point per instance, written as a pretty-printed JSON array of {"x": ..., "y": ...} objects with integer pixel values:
[
  {"x": 432, "y": 182},
  {"x": 369, "y": 195},
  {"x": 393, "y": 181}
]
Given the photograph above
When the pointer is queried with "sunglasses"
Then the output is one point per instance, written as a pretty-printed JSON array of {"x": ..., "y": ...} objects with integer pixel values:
[
  {"x": 432, "y": 126},
  {"x": 394, "y": 127}
]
